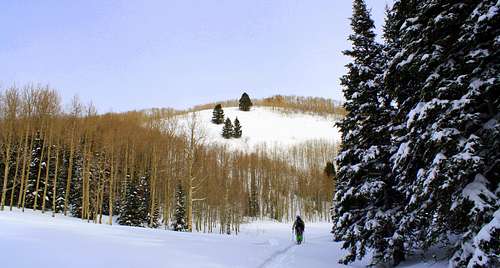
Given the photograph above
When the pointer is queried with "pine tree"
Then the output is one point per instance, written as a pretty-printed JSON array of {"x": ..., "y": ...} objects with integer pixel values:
[
  {"x": 218, "y": 115},
  {"x": 180, "y": 224},
  {"x": 37, "y": 167},
  {"x": 245, "y": 102},
  {"x": 237, "y": 132},
  {"x": 227, "y": 130},
  {"x": 133, "y": 209},
  {"x": 363, "y": 160},
  {"x": 330, "y": 170},
  {"x": 156, "y": 217},
  {"x": 253, "y": 198},
  {"x": 444, "y": 78}
]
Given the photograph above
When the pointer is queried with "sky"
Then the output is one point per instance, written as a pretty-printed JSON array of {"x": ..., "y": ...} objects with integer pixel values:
[{"x": 137, "y": 54}]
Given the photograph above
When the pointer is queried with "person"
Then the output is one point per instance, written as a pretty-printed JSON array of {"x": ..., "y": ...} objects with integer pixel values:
[{"x": 298, "y": 227}]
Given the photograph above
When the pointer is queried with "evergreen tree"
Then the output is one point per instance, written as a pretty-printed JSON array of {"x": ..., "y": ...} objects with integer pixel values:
[
  {"x": 156, "y": 217},
  {"x": 133, "y": 209},
  {"x": 237, "y": 132},
  {"x": 37, "y": 167},
  {"x": 330, "y": 170},
  {"x": 227, "y": 130},
  {"x": 253, "y": 198},
  {"x": 444, "y": 79},
  {"x": 245, "y": 102},
  {"x": 76, "y": 189},
  {"x": 218, "y": 115},
  {"x": 180, "y": 223},
  {"x": 363, "y": 161}
]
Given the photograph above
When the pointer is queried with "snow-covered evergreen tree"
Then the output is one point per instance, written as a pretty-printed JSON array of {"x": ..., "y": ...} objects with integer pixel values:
[
  {"x": 245, "y": 102},
  {"x": 363, "y": 161},
  {"x": 133, "y": 209},
  {"x": 36, "y": 169},
  {"x": 237, "y": 131},
  {"x": 218, "y": 115},
  {"x": 180, "y": 223},
  {"x": 227, "y": 130},
  {"x": 156, "y": 217},
  {"x": 76, "y": 187},
  {"x": 444, "y": 79}
]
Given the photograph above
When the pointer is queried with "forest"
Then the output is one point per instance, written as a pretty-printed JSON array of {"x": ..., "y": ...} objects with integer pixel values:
[{"x": 135, "y": 166}]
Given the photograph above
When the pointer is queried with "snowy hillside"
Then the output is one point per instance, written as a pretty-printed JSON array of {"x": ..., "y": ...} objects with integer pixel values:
[
  {"x": 32, "y": 239},
  {"x": 265, "y": 126}
]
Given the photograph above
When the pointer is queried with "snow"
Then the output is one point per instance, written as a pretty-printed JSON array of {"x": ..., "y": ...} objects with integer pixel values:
[
  {"x": 407, "y": 60},
  {"x": 32, "y": 239},
  {"x": 491, "y": 13},
  {"x": 477, "y": 192},
  {"x": 265, "y": 127}
]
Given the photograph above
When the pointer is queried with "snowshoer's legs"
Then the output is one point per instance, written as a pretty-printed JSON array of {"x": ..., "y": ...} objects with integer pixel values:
[{"x": 300, "y": 238}]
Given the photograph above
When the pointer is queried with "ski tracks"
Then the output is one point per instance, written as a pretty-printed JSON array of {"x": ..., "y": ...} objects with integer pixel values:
[
  {"x": 279, "y": 258},
  {"x": 286, "y": 256}
]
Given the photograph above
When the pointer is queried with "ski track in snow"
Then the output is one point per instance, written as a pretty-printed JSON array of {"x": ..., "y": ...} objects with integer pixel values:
[
  {"x": 278, "y": 258},
  {"x": 286, "y": 257},
  {"x": 65, "y": 241}
]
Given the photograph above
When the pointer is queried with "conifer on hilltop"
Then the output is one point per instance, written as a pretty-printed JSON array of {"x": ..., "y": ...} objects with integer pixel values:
[
  {"x": 227, "y": 130},
  {"x": 218, "y": 115},
  {"x": 245, "y": 102},
  {"x": 237, "y": 131}
]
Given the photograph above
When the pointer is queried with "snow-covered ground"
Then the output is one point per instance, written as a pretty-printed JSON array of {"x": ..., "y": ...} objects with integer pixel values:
[
  {"x": 265, "y": 126},
  {"x": 32, "y": 239}
]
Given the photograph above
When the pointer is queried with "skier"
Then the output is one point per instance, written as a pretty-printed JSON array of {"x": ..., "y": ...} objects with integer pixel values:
[{"x": 298, "y": 227}]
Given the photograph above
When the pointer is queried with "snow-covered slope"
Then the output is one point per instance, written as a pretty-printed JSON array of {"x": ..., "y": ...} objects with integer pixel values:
[
  {"x": 32, "y": 239},
  {"x": 265, "y": 126}
]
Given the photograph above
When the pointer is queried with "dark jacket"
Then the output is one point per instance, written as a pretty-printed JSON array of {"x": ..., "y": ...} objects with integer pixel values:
[{"x": 299, "y": 225}]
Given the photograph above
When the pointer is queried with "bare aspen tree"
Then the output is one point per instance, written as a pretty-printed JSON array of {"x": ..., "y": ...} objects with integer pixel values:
[
  {"x": 10, "y": 109},
  {"x": 55, "y": 179},
  {"x": 76, "y": 110},
  {"x": 195, "y": 136}
]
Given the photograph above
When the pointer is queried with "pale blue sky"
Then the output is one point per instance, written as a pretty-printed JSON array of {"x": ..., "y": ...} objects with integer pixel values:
[{"x": 133, "y": 54}]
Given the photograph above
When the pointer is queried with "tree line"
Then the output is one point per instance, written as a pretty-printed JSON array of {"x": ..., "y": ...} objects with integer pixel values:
[{"x": 136, "y": 169}]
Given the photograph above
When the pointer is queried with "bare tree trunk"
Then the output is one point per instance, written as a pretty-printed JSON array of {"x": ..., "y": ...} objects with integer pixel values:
[
  {"x": 54, "y": 182},
  {"x": 6, "y": 173},
  {"x": 70, "y": 175},
  {"x": 23, "y": 171},
  {"x": 47, "y": 173},
  {"x": 39, "y": 174},
  {"x": 111, "y": 188},
  {"x": 16, "y": 173}
]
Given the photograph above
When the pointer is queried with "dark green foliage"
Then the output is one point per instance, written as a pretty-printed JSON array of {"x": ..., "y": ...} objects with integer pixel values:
[
  {"x": 438, "y": 176},
  {"x": 180, "y": 222},
  {"x": 363, "y": 160},
  {"x": 227, "y": 130},
  {"x": 36, "y": 161},
  {"x": 156, "y": 218},
  {"x": 218, "y": 115},
  {"x": 245, "y": 102},
  {"x": 330, "y": 170},
  {"x": 134, "y": 209},
  {"x": 237, "y": 132},
  {"x": 445, "y": 81},
  {"x": 76, "y": 190},
  {"x": 253, "y": 199}
]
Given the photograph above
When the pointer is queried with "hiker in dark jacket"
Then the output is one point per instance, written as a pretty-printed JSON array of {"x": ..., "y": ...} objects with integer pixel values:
[{"x": 298, "y": 227}]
